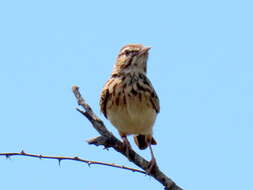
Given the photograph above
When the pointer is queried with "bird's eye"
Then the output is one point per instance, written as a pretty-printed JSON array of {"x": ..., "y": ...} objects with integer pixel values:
[
  {"x": 130, "y": 52},
  {"x": 127, "y": 52}
]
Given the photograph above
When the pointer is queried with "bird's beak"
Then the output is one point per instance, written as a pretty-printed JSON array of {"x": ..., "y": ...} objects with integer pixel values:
[{"x": 144, "y": 50}]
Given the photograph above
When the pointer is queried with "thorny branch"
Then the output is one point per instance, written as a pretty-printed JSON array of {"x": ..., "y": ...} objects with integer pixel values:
[
  {"x": 60, "y": 158},
  {"x": 107, "y": 140}
]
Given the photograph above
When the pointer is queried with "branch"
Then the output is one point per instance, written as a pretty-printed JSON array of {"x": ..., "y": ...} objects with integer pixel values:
[
  {"x": 107, "y": 139},
  {"x": 60, "y": 158}
]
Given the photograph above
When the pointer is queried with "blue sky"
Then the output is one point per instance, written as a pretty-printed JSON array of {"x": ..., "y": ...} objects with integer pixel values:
[{"x": 201, "y": 65}]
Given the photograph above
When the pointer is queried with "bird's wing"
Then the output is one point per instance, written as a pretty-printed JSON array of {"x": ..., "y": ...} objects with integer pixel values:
[
  {"x": 104, "y": 99},
  {"x": 144, "y": 84}
]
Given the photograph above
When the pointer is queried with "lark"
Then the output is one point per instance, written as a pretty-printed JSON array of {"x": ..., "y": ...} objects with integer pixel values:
[{"x": 129, "y": 100}]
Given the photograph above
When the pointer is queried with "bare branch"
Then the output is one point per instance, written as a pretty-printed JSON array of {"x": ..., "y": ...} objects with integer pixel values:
[
  {"x": 60, "y": 158},
  {"x": 107, "y": 139}
]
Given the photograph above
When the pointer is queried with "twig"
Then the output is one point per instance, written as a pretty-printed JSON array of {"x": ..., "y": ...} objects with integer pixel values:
[
  {"x": 60, "y": 158},
  {"x": 107, "y": 139}
]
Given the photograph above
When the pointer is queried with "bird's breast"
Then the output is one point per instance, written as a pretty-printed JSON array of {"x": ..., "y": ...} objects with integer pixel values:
[{"x": 132, "y": 113}]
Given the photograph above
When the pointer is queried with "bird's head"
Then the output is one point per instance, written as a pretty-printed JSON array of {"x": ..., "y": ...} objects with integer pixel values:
[{"x": 132, "y": 58}]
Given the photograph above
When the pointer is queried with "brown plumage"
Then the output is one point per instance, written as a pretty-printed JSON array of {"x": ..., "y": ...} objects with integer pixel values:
[{"x": 129, "y": 100}]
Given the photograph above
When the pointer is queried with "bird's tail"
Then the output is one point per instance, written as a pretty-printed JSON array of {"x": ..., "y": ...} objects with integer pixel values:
[{"x": 142, "y": 141}]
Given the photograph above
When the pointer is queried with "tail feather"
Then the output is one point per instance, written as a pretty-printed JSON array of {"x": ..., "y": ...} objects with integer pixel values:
[{"x": 142, "y": 141}]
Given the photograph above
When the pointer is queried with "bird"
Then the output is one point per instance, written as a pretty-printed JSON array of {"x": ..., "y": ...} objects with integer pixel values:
[{"x": 129, "y": 101}]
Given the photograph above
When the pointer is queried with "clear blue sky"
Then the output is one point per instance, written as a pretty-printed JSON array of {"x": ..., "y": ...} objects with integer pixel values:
[{"x": 201, "y": 65}]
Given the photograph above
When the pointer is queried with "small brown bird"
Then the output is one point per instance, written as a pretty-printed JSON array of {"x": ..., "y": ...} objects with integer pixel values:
[{"x": 129, "y": 100}]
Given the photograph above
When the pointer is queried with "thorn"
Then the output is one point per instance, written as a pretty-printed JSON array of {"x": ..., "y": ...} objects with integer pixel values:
[
  {"x": 76, "y": 158},
  {"x": 22, "y": 152},
  {"x": 40, "y": 157},
  {"x": 59, "y": 162},
  {"x": 89, "y": 164},
  {"x": 146, "y": 174},
  {"x": 106, "y": 148},
  {"x": 7, "y": 156},
  {"x": 81, "y": 111}
]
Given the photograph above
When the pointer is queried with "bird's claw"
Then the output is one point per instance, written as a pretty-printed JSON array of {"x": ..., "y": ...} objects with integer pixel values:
[{"x": 151, "y": 166}]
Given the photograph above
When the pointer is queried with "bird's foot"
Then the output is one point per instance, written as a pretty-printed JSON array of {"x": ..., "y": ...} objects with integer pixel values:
[
  {"x": 126, "y": 146},
  {"x": 151, "y": 166}
]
